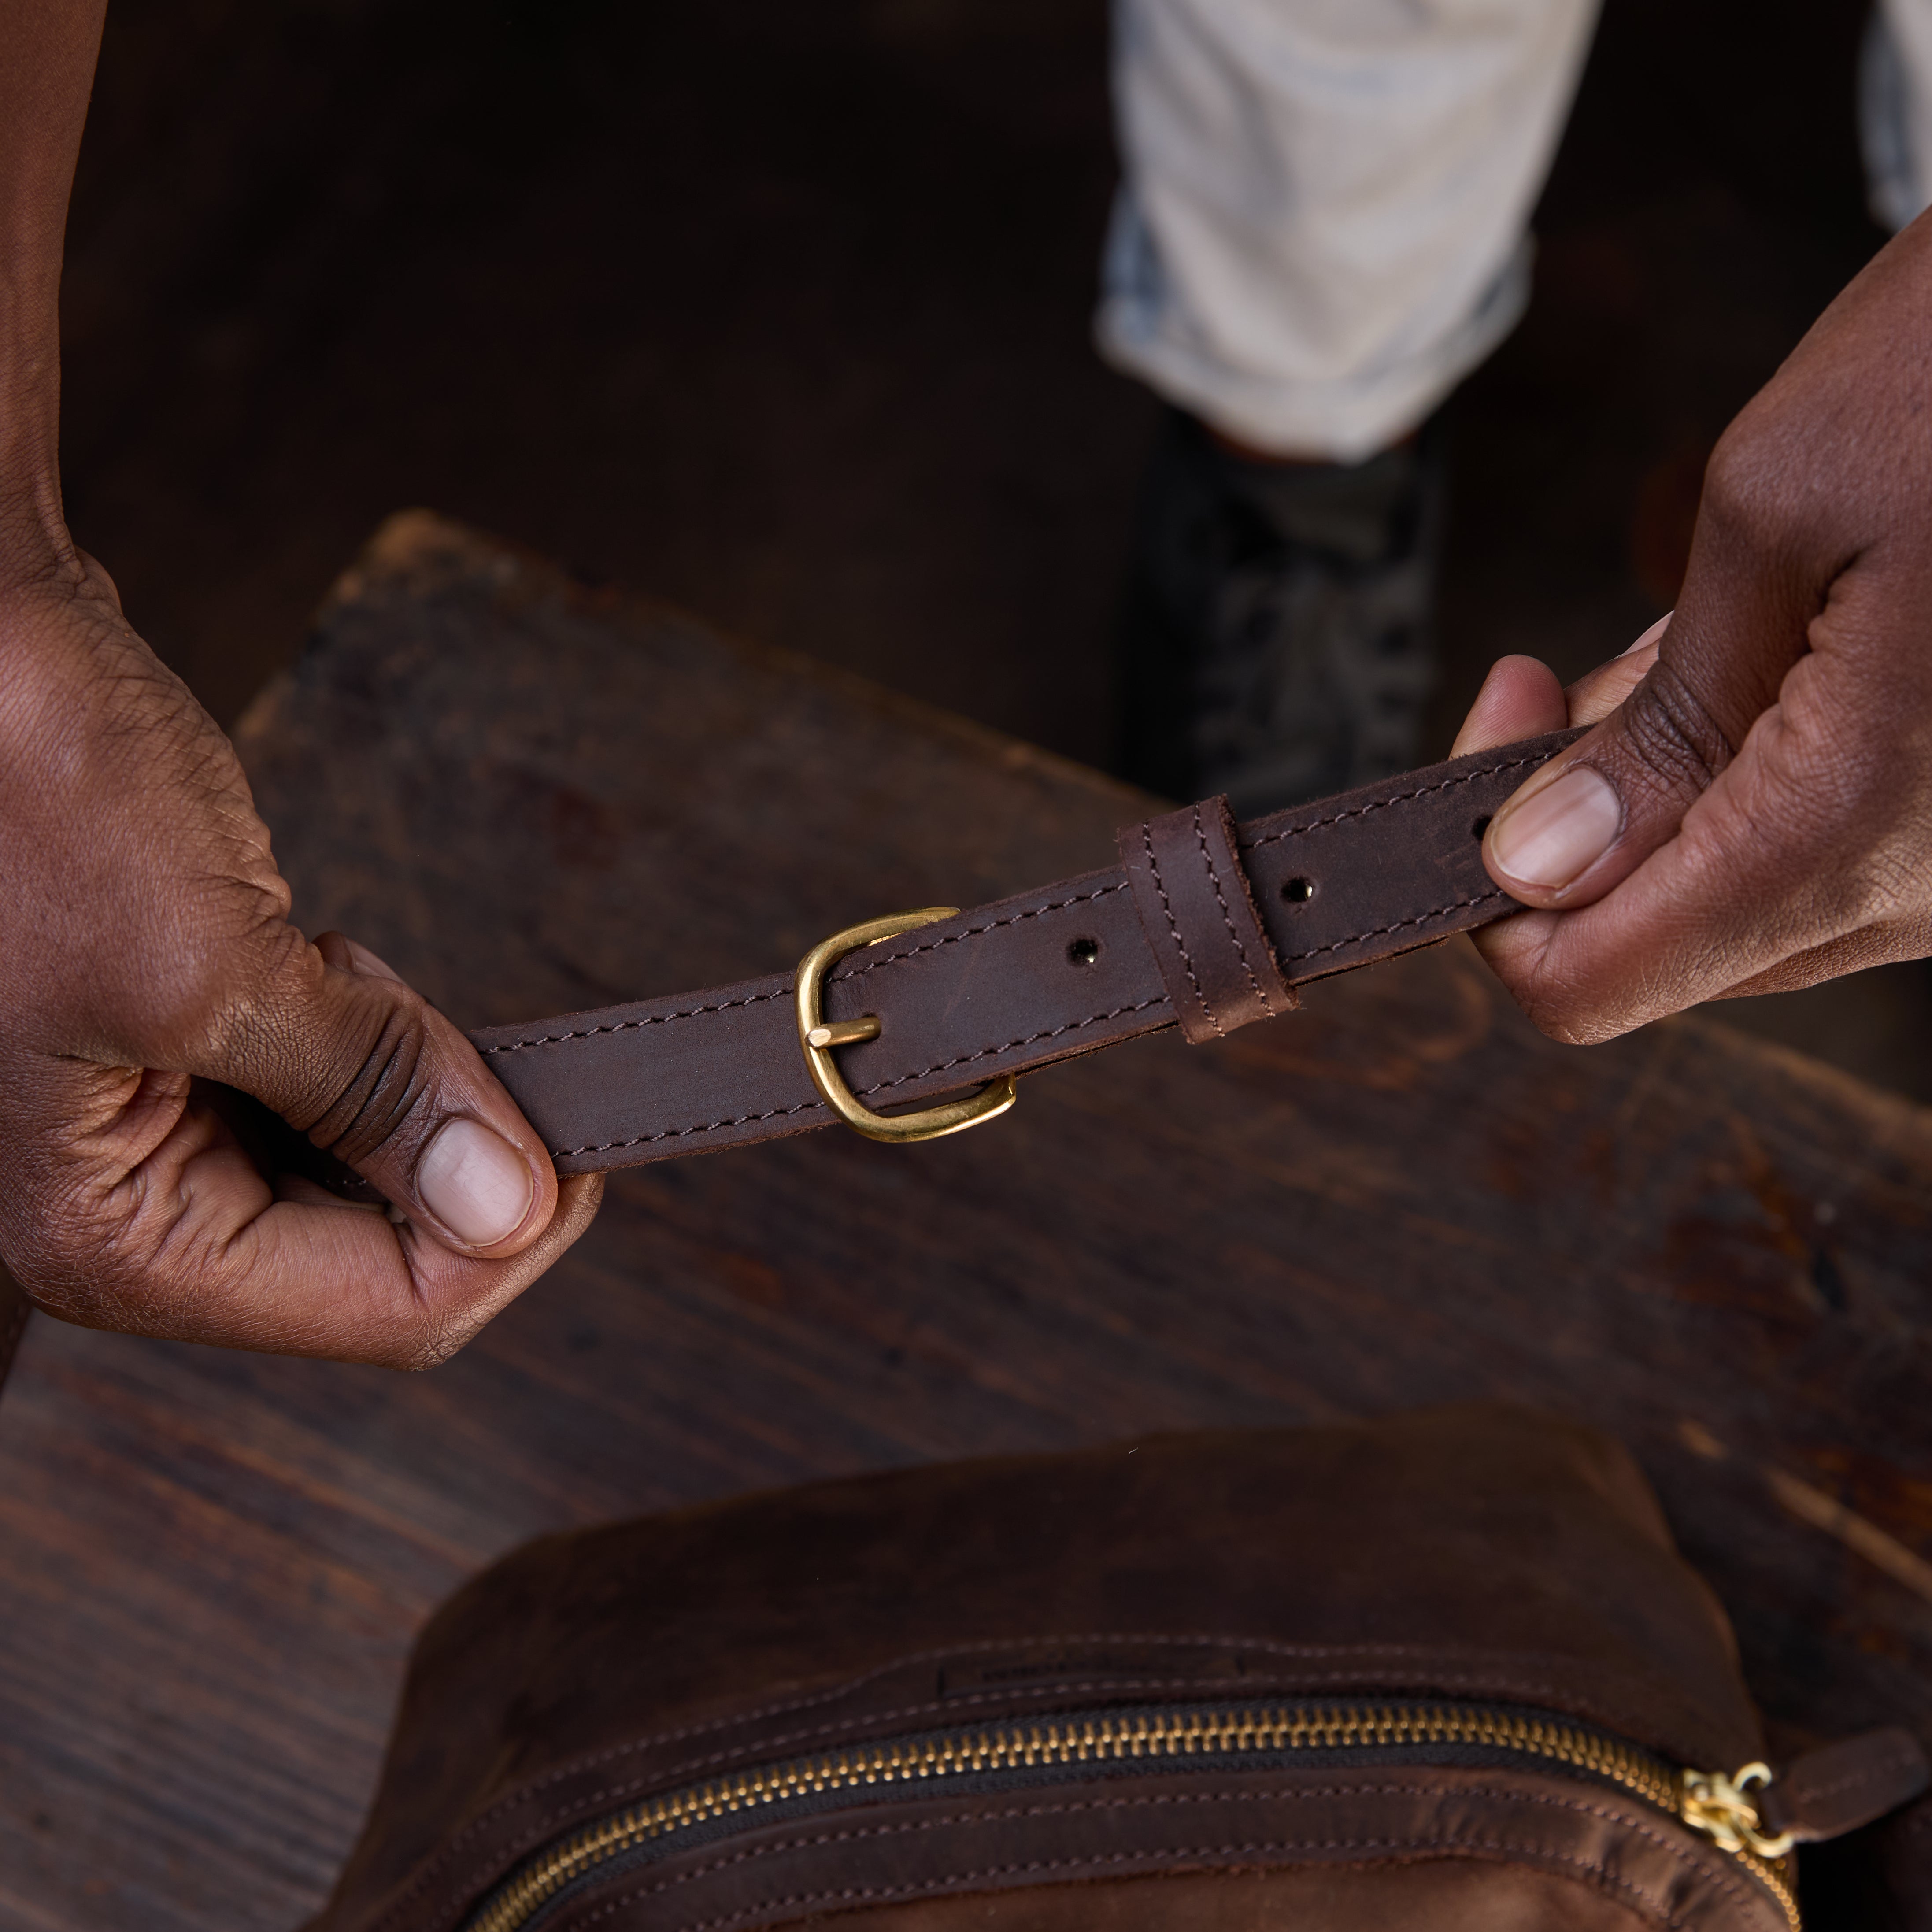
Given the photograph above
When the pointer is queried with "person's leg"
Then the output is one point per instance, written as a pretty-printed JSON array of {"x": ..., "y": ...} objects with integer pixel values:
[{"x": 1321, "y": 230}]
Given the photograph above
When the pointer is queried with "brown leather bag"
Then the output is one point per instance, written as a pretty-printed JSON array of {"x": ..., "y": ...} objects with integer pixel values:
[{"x": 1445, "y": 1670}]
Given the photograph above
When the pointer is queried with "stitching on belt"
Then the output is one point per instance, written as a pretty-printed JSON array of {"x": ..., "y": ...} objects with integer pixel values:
[
  {"x": 1221, "y": 900},
  {"x": 1051, "y": 1033},
  {"x": 980, "y": 1053},
  {"x": 879, "y": 1087},
  {"x": 673, "y": 1133},
  {"x": 785, "y": 992},
  {"x": 649, "y": 1020},
  {"x": 1174, "y": 932},
  {"x": 1016, "y": 918},
  {"x": 991, "y": 926},
  {"x": 1402, "y": 798},
  {"x": 1420, "y": 919}
]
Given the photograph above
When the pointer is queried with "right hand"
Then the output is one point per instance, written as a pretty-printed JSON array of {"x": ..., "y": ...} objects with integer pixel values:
[{"x": 1754, "y": 812}]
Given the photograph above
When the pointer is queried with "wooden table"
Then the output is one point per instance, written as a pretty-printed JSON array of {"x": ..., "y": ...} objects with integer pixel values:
[{"x": 529, "y": 799}]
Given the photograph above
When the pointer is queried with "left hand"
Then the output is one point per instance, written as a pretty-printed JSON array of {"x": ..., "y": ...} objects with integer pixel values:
[{"x": 151, "y": 976}]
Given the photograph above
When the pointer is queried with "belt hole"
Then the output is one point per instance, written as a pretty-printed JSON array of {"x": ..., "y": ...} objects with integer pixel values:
[
  {"x": 1084, "y": 952},
  {"x": 1296, "y": 891},
  {"x": 1481, "y": 826}
]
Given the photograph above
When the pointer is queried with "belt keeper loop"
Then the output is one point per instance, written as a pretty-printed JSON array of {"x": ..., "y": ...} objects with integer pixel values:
[{"x": 1198, "y": 911}]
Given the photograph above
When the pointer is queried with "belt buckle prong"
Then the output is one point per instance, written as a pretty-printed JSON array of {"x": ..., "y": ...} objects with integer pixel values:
[{"x": 818, "y": 1036}]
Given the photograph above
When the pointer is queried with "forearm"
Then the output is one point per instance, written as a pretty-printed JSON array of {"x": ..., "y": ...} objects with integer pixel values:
[{"x": 47, "y": 53}]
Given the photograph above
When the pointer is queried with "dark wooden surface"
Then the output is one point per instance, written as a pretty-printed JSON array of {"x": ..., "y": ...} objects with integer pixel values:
[{"x": 530, "y": 799}]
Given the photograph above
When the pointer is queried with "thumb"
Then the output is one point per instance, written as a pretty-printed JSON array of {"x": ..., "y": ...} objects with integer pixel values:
[
  {"x": 360, "y": 1062},
  {"x": 1576, "y": 828}
]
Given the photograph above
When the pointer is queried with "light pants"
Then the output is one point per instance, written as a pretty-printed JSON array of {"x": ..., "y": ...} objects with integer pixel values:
[{"x": 1323, "y": 225}]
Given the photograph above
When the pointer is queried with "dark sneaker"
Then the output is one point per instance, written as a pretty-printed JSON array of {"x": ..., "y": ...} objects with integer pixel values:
[{"x": 1276, "y": 644}]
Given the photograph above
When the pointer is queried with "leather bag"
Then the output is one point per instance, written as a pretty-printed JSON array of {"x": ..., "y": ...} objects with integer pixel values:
[{"x": 1443, "y": 1670}]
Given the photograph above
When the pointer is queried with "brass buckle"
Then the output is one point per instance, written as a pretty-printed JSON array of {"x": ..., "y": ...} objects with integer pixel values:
[{"x": 818, "y": 1037}]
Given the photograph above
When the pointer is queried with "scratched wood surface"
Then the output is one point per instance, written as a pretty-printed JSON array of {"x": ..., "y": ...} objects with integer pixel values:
[{"x": 530, "y": 799}]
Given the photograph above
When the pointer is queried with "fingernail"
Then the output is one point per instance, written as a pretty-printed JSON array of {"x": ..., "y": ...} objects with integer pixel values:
[
  {"x": 475, "y": 1183},
  {"x": 1558, "y": 833},
  {"x": 1650, "y": 637},
  {"x": 370, "y": 968}
]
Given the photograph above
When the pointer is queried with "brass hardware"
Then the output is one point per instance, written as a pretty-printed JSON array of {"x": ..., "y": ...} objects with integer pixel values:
[
  {"x": 1721, "y": 1808},
  {"x": 818, "y": 1036},
  {"x": 1172, "y": 1733},
  {"x": 844, "y": 1033}
]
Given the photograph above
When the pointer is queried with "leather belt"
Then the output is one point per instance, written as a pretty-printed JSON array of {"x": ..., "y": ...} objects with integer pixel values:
[{"x": 1204, "y": 924}]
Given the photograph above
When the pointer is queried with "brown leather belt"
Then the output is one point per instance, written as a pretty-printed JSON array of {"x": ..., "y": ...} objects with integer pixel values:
[{"x": 1204, "y": 925}]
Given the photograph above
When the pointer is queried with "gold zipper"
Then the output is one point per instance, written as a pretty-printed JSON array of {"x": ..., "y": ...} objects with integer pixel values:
[{"x": 1717, "y": 1807}]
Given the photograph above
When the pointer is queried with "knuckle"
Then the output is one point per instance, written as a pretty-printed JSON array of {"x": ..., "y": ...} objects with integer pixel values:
[
  {"x": 1560, "y": 1019},
  {"x": 194, "y": 1000},
  {"x": 1748, "y": 492},
  {"x": 428, "y": 1351},
  {"x": 93, "y": 1270},
  {"x": 55, "y": 1284},
  {"x": 440, "y": 1334},
  {"x": 1562, "y": 996},
  {"x": 199, "y": 995},
  {"x": 389, "y": 1089},
  {"x": 1735, "y": 482},
  {"x": 1676, "y": 744}
]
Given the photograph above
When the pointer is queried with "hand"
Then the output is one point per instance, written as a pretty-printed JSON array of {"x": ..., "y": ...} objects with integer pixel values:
[
  {"x": 1754, "y": 812},
  {"x": 145, "y": 950}
]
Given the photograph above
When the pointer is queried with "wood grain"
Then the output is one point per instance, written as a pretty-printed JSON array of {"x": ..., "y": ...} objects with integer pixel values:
[{"x": 529, "y": 799}]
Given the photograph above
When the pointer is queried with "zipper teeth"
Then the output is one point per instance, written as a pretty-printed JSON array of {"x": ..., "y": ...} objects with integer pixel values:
[{"x": 1021, "y": 1747}]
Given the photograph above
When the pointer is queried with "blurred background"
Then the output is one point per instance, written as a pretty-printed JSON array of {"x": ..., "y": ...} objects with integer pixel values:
[{"x": 782, "y": 313}]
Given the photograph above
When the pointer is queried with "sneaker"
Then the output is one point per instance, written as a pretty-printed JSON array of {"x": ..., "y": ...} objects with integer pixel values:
[{"x": 1277, "y": 643}]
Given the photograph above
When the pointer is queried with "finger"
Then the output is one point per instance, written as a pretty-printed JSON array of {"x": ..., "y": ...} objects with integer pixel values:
[
  {"x": 397, "y": 1299},
  {"x": 1590, "y": 817},
  {"x": 1768, "y": 866},
  {"x": 1520, "y": 698},
  {"x": 166, "y": 1226},
  {"x": 1850, "y": 952},
  {"x": 337, "y": 949},
  {"x": 1598, "y": 693},
  {"x": 349, "y": 1055}
]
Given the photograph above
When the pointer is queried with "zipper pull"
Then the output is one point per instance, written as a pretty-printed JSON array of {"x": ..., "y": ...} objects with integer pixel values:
[
  {"x": 1823, "y": 1795},
  {"x": 1725, "y": 1810}
]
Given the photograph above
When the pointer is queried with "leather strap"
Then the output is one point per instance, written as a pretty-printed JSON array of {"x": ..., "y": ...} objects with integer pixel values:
[
  {"x": 1201, "y": 922},
  {"x": 1842, "y": 1786},
  {"x": 1204, "y": 925}
]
